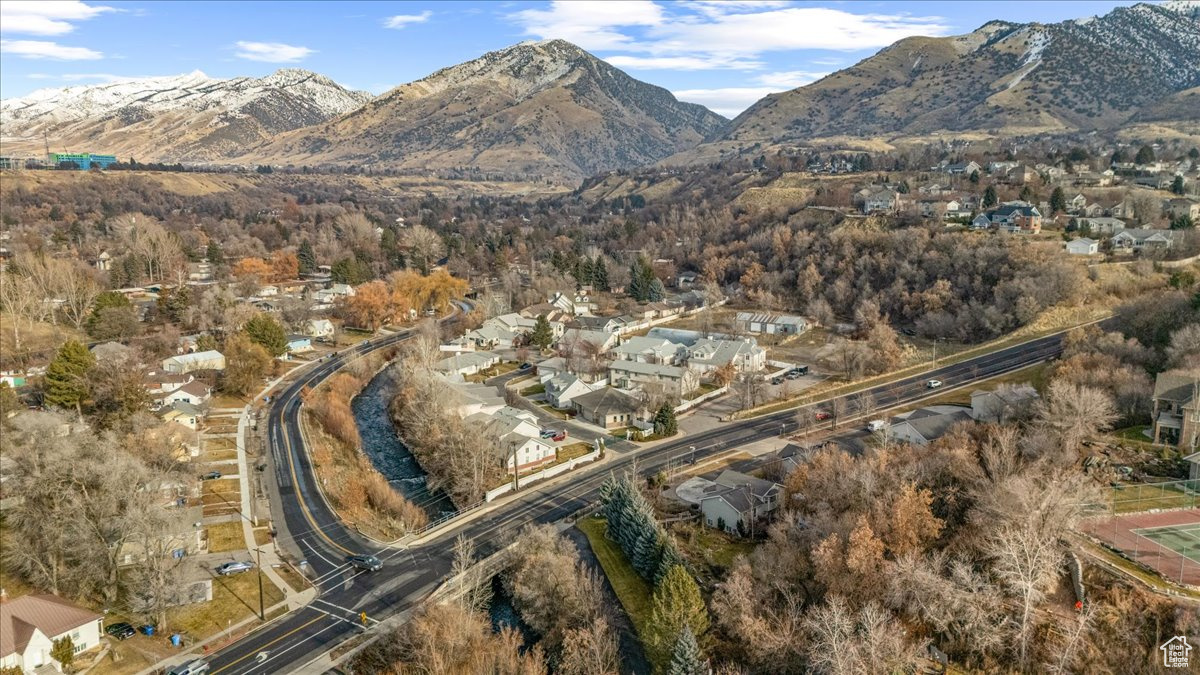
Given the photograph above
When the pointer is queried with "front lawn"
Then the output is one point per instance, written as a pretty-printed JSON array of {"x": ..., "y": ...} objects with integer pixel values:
[
  {"x": 569, "y": 452},
  {"x": 533, "y": 391},
  {"x": 224, "y": 537},
  {"x": 234, "y": 598}
]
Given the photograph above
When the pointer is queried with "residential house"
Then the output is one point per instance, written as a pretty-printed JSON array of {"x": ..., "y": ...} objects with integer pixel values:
[
  {"x": 1077, "y": 203},
  {"x": 103, "y": 262},
  {"x": 467, "y": 363},
  {"x": 561, "y": 389},
  {"x": 516, "y": 436},
  {"x": 185, "y": 414},
  {"x": 475, "y": 398},
  {"x": 608, "y": 408},
  {"x": 186, "y": 363},
  {"x": 1017, "y": 217},
  {"x": 1105, "y": 225},
  {"x": 981, "y": 222},
  {"x": 673, "y": 381},
  {"x": 30, "y": 624},
  {"x": 1183, "y": 206},
  {"x": 1176, "y": 410},
  {"x": 771, "y": 324},
  {"x": 327, "y": 296},
  {"x": 933, "y": 190},
  {"x": 650, "y": 350},
  {"x": 507, "y": 331},
  {"x": 571, "y": 303},
  {"x": 1003, "y": 403},
  {"x": 744, "y": 356},
  {"x": 1083, "y": 246},
  {"x": 925, "y": 425},
  {"x": 1019, "y": 175},
  {"x": 601, "y": 341},
  {"x": 195, "y": 392},
  {"x": 1141, "y": 239},
  {"x": 962, "y": 168},
  {"x": 738, "y": 501},
  {"x": 319, "y": 328},
  {"x": 607, "y": 324},
  {"x": 298, "y": 344},
  {"x": 882, "y": 200},
  {"x": 159, "y": 382}
]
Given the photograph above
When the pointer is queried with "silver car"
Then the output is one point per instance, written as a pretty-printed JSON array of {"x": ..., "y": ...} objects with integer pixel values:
[{"x": 236, "y": 567}]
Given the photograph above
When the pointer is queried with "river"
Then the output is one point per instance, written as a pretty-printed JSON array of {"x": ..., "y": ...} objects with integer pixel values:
[{"x": 389, "y": 456}]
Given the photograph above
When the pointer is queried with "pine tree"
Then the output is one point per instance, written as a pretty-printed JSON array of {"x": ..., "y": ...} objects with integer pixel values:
[
  {"x": 542, "y": 335},
  {"x": 66, "y": 377},
  {"x": 975, "y": 177},
  {"x": 1177, "y": 185},
  {"x": 214, "y": 254},
  {"x": 668, "y": 556},
  {"x": 307, "y": 258},
  {"x": 600, "y": 275},
  {"x": 686, "y": 658},
  {"x": 676, "y": 605},
  {"x": 989, "y": 197},
  {"x": 1058, "y": 201},
  {"x": 639, "y": 285},
  {"x": 1145, "y": 155},
  {"x": 265, "y": 331},
  {"x": 658, "y": 292},
  {"x": 644, "y": 555},
  {"x": 665, "y": 423},
  {"x": 583, "y": 272}
]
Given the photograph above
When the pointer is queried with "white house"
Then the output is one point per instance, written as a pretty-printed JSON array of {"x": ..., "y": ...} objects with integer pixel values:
[
  {"x": 319, "y": 328},
  {"x": 30, "y": 624},
  {"x": 186, "y": 363},
  {"x": 561, "y": 389},
  {"x": 745, "y": 356},
  {"x": 673, "y": 380},
  {"x": 516, "y": 438},
  {"x": 467, "y": 363},
  {"x": 650, "y": 350},
  {"x": 1083, "y": 246},
  {"x": 1141, "y": 239},
  {"x": 194, "y": 392}
]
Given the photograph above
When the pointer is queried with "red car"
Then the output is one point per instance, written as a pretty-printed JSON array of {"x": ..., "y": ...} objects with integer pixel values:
[
  {"x": 822, "y": 415},
  {"x": 560, "y": 436}
]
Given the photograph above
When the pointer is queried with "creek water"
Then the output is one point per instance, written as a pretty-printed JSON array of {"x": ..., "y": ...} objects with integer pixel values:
[{"x": 387, "y": 453}]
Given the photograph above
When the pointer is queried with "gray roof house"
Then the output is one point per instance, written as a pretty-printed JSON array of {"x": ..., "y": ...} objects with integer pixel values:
[
  {"x": 738, "y": 501},
  {"x": 649, "y": 350},
  {"x": 608, "y": 408},
  {"x": 673, "y": 380},
  {"x": 1003, "y": 403},
  {"x": 707, "y": 355},
  {"x": 924, "y": 425}
]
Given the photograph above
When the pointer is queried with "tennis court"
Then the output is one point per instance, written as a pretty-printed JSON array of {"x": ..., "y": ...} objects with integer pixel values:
[{"x": 1183, "y": 539}]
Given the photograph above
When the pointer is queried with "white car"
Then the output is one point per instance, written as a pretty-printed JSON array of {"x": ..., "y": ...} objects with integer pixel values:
[
  {"x": 877, "y": 425},
  {"x": 933, "y": 384}
]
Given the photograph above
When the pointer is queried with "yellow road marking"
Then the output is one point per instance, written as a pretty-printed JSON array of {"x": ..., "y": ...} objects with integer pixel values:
[
  {"x": 299, "y": 493},
  {"x": 263, "y": 647}
]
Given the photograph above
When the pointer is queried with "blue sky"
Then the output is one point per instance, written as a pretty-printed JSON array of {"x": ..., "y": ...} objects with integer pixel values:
[{"x": 718, "y": 53}]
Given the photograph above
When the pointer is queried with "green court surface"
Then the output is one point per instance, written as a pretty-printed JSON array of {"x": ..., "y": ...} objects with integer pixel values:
[{"x": 1183, "y": 539}]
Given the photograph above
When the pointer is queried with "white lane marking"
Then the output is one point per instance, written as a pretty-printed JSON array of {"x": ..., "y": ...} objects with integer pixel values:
[
  {"x": 281, "y": 652},
  {"x": 318, "y": 553}
]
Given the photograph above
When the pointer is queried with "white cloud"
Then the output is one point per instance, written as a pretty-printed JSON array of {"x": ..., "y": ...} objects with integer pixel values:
[
  {"x": 789, "y": 79},
  {"x": 45, "y": 18},
  {"x": 716, "y": 34},
  {"x": 40, "y": 49},
  {"x": 402, "y": 20},
  {"x": 272, "y": 52},
  {"x": 727, "y": 101},
  {"x": 590, "y": 24},
  {"x": 680, "y": 63}
]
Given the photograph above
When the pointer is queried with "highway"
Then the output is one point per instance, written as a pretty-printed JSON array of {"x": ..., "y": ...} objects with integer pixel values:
[{"x": 308, "y": 527}]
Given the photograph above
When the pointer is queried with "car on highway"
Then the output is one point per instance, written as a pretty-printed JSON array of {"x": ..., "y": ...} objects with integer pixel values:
[
  {"x": 823, "y": 415},
  {"x": 193, "y": 667},
  {"x": 364, "y": 562},
  {"x": 933, "y": 384},
  {"x": 236, "y": 567},
  {"x": 121, "y": 630},
  {"x": 211, "y": 475},
  {"x": 560, "y": 436}
]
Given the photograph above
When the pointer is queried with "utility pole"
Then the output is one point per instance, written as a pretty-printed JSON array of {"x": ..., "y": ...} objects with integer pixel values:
[{"x": 262, "y": 614}]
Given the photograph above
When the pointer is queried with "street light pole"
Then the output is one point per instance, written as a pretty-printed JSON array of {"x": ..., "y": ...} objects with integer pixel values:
[{"x": 262, "y": 614}]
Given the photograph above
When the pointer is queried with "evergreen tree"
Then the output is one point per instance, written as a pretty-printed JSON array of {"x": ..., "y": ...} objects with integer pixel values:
[
  {"x": 676, "y": 605},
  {"x": 214, "y": 254},
  {"x": 63, "y": 651},
  {"x": 542, "y": 335},
  {"x": 1177, "y": 185},
  {"x": 583, "y": 272},
  {"x": 668, "y": 557},
  {"x": 600, "y": 275},
  {"x": 307, "y": 258},
  {"x": 265, "y": 331},
  {"x": 975, "y": 177},
  {"x": 658, "y": 292},
  {"x": 1145, "y": 155},
  {"x": 1058, "y": 201},
  {"x": 644, "y": 556},
  {"x": 173, "y": 302},
  {"x": 66, "y": 377},
  {"x": 639, "y": 284},
  {"x": 989, "y": 197},
  {"x": 686, "y": 658},
  {"x": 665, "y": 423},
  {"x": 1118, "y": 157},
  {"x": 350, "y": 270}
]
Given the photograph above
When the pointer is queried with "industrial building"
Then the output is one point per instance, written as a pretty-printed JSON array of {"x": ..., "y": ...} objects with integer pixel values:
[{"x": 82, "y": 160}]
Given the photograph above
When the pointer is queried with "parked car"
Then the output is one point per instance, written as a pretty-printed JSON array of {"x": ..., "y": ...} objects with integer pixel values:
[
  {"x": 823, "y": 415},
  {"x": 909, "y": 332},
  {"x": 560, "y": 436},
  {"x": 366, "y": 563},
  {"x": 799, "y": 371},
  {"x": 933, "y": 384},
  {"x": 792, "y": 375},
  {"x": 121, "y": 630},
  {"x": 776, "y": 380},
  {"x": 211, "y": 475},
  {"x": 193, "y": 667},
  {"x": 236, "y": 567},
  {"x": 525, "y": 366},
  {"x": 876, "y": 425},
  {"x": 549, "y": 433}
]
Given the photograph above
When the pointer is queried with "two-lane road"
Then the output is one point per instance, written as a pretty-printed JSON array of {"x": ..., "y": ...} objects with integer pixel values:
[{"x": 409, "y": 575}]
